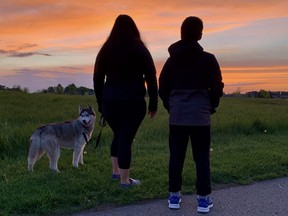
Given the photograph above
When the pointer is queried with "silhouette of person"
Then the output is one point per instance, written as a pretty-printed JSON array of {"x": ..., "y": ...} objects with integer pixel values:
[
  {"x": 123, "y": 69},
  {"x": 190, "y": 86}
]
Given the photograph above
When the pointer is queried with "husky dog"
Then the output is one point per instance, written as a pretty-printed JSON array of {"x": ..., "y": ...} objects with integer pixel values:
[{"x": 73, "y": 134}]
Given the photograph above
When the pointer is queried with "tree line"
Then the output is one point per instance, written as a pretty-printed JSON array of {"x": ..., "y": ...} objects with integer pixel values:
[
  {"x": 259, "y": 94},
  {"x": 71, "y": 89}
]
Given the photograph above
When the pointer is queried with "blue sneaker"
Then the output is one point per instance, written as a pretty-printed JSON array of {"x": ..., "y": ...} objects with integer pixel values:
[
  {"x": 115, "y": 176},
  {"x": 204, "y": 205},
  {"x": 174, "y": 202}
]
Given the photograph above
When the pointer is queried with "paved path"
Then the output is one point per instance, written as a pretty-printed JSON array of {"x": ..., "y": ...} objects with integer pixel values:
[{"x": 267, "y": 198}]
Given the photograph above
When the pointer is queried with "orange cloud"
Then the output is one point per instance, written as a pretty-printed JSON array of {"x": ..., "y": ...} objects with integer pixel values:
[{"x": 53, "y": 16}]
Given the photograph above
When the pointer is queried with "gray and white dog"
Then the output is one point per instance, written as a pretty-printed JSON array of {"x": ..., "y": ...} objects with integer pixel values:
[{"x": 73, "y": 134}]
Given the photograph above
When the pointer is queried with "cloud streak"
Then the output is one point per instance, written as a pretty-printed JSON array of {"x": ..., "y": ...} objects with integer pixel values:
[
  {"x": 17, "y": 51},
  {"x": 12, "y": 53}
]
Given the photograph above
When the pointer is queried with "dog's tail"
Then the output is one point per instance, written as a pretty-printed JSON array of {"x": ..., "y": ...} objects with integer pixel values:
[{"x": 35, "y": 151}]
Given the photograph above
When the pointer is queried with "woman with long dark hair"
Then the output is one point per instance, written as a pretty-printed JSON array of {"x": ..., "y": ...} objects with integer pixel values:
[{"x": 123, "y": 69}]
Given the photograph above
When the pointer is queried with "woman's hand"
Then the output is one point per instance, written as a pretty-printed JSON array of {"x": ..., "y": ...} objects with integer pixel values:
[{"x": 152, "y": 114}]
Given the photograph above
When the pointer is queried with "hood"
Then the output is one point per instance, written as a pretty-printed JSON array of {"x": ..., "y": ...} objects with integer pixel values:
[{"x": 184, "y": 47}]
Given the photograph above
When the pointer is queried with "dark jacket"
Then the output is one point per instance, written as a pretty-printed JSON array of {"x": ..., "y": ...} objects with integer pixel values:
[
  {"x": 121, "y": 71},
  {"x": 190, "y": 84}
]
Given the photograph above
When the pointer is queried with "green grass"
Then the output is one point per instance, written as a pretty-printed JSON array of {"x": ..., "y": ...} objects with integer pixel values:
[{"x": 249, "y": 141}]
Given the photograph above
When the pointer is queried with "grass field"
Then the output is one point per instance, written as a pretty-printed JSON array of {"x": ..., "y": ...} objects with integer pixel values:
[{"x": 249, "y": 141}]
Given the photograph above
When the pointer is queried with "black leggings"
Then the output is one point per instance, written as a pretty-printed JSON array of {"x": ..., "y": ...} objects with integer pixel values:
[
  {"x": 178, "y": 141},
  {"x": 124, "y": 117}
]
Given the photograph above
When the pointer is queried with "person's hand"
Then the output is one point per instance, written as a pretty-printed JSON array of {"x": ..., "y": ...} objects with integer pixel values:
[
  {"x": 213, "y": 111},
  {"x": 152, "y": 114}
]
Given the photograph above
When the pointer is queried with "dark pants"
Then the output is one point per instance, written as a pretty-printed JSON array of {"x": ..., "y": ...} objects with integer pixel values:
[
  {"x": 178, "y": 141},
  {"x": 124, "y": 118}
]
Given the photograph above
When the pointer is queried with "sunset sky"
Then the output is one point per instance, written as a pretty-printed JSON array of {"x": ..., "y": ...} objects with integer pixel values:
[{"x": 44, "y": 43}]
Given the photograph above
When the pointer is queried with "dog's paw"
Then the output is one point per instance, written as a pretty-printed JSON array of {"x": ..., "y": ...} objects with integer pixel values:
[
  {"x": 75, "y": 166},
  {"x": 54, "y": 169}
]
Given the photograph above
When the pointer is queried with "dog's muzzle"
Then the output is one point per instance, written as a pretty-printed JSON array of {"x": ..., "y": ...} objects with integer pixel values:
[{"x": 86, "y": 123}]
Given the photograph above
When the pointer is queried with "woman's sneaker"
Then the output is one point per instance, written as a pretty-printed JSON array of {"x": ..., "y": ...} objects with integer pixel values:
[
  {"x": 174, "y": 202},
  {"x": 115, "y": 176},
  {"x": 204, "y": 205},
  {"x": 133, "y": 182}
]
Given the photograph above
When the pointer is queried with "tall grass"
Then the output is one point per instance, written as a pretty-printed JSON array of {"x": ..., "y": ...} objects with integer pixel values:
[{"x": 249, "y": 142}]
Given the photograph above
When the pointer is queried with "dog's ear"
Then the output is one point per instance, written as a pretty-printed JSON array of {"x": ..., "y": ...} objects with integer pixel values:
[
  {"x": 80, "y": 108},
  {"x": 91, "y": 108}
]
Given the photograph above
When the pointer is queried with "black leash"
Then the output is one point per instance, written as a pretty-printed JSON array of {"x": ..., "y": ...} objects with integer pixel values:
[
  {"x": 102, "y": 123},
  {"x": 85, "y": 137},
  {"x": 85, "y": 133}
]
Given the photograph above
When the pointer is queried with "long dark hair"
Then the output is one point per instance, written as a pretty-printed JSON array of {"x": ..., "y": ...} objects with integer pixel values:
[{"x": 124, "y": 30}]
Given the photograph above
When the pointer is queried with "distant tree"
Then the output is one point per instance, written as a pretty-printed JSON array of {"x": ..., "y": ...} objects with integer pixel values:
[
  {"x": 26, "y": 90},
  {"x": 2, "y": 87},
  {"x": 82, "y": 90},
  {"x": 71, "y": 89},
  {"x": 252, "y": 94},
  {"x": 51, "y": 89},
  {"x": 16, "y": 88},
  {"x": 59, "y": 89},
  {"x": 237, "y": 92},
  {"x": 264, "y": 94}
]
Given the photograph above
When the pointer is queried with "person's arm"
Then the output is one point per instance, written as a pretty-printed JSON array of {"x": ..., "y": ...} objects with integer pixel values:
[
  {"x": 165, "y": 84},
  {"x": 216, "y": 84},
  {"x": 152, "y": 87},
  {"x": 98, "y": 79}
]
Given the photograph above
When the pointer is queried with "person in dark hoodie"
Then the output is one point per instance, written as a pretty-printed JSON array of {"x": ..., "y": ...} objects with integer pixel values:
[
  {"x": 190, "y": 86},
  {"x": 123, "y": 69}
]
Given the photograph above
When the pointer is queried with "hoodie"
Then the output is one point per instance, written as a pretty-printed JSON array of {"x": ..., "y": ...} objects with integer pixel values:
[{"x": 190, "y": 84}]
